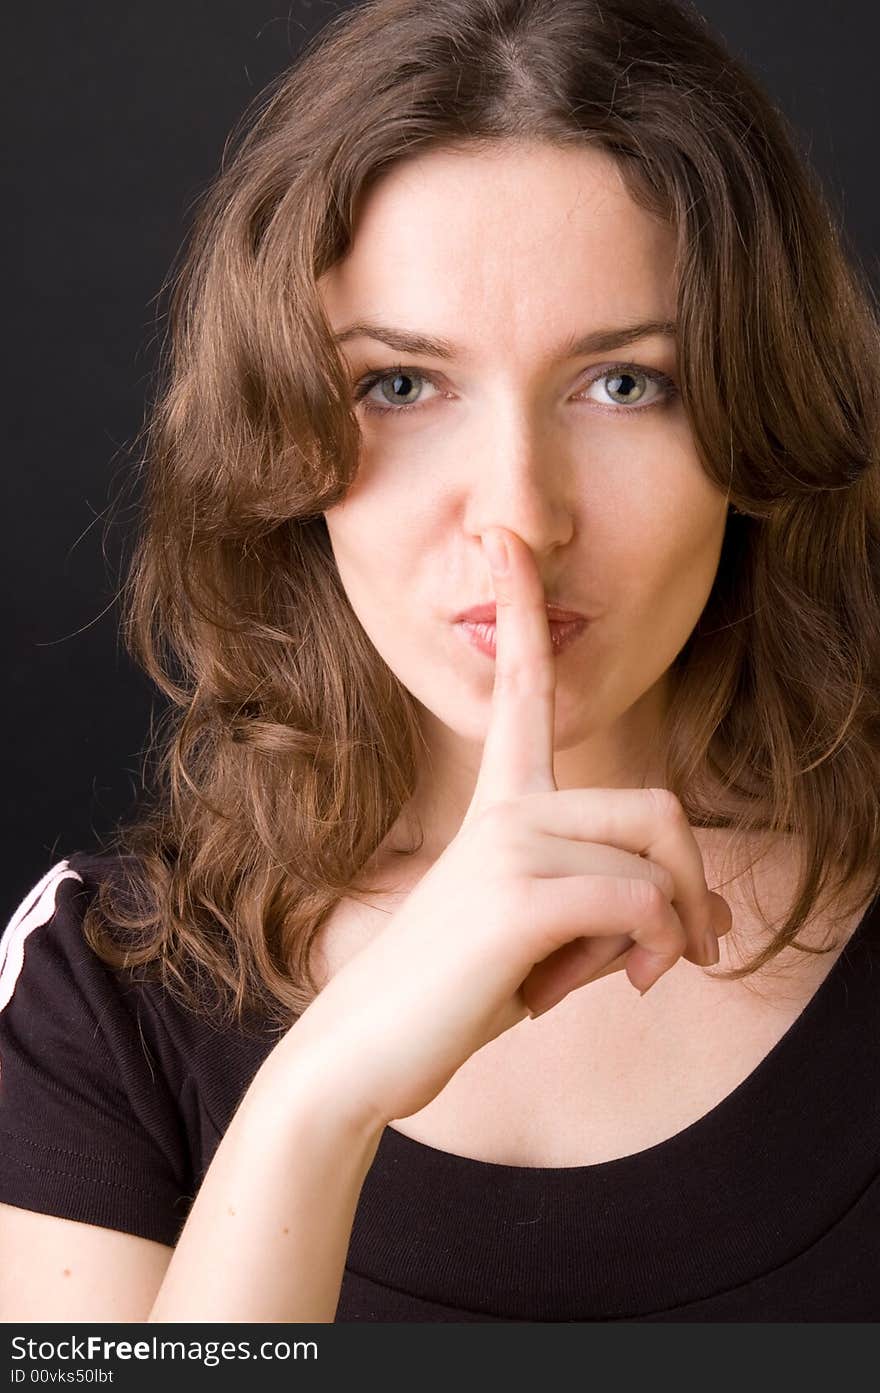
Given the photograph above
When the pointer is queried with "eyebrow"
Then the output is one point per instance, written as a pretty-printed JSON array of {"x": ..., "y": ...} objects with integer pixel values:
[{"x": 604, "y": 340}]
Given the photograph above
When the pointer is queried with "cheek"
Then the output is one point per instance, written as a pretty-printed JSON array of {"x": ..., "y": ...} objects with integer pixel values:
[
  {"x": 661, "y": 531},
  {"x": 392, "y": 462},
  {"x": 377, "y": 557},
  {"x": 383, "y": 511},
  {"x": 668, "y": 515},
  {"x": 673, "y": 570}
]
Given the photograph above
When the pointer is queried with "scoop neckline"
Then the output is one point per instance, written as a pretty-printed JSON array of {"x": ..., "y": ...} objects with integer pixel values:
[{"x": 409, "y": 1148}]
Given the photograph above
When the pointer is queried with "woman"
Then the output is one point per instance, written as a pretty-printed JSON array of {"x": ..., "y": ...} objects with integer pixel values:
[{"x": 351, "y": 1022}]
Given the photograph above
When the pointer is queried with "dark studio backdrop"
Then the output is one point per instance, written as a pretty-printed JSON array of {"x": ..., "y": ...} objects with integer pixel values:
[{"x": 117, "y": 118}]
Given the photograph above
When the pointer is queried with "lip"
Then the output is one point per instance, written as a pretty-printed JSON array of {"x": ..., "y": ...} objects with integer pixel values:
[
  {"x": 482, "y": 635},
  {"x": 485, "y": 614}
]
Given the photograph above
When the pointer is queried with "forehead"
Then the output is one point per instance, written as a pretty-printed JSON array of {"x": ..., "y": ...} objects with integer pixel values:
[{"x": 521, "y": 239}]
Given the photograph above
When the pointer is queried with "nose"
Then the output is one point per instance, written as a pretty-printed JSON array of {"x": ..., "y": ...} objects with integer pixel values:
[{"x": 520, "y": 478}]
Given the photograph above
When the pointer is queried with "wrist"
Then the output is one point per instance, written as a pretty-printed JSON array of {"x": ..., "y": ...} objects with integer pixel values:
[{"x": 302, "y": 1079}]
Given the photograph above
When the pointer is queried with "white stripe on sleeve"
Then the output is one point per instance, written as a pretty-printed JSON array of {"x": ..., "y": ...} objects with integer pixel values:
[{"x": 36, "y": 908}]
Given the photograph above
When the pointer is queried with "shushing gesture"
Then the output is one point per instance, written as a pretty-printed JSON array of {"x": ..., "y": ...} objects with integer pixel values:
[{"x": 540, "y": 891}]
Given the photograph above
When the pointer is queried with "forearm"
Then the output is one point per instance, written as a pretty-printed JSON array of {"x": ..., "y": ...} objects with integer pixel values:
[{"x": 268, "y": 1233}]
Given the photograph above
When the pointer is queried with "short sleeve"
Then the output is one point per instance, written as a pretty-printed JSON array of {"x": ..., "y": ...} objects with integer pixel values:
[{"x": 89, "y": 1126}]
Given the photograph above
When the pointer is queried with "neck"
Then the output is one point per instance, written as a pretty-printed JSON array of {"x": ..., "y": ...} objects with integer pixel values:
[{"x": 626, "y": 757}]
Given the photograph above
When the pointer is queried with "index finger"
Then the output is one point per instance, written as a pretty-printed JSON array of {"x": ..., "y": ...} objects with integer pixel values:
[{"x": 518, "y": 750}]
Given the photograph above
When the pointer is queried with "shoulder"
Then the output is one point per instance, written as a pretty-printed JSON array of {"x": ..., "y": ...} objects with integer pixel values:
[
  {"x": 125, "y": 1022},
  {"x": 90, "y": 1121},
  {"x": 48, "y": 921}
]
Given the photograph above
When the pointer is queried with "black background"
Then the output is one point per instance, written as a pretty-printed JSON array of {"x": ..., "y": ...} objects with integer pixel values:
[{"x": 117, "y": 116}]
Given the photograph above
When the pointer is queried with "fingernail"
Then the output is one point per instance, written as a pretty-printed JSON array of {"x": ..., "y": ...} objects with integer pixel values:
[
  {"x": 723, "y": 915},
  {"x": 496, "y": 550},
  {"x": 657, "y": 966}
]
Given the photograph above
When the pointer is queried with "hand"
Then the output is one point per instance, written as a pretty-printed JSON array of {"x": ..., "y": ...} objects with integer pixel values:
[{"x": 541, "y": 891}]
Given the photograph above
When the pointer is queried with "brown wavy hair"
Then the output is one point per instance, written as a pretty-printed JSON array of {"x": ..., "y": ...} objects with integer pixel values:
[{"x": 289, "y": 749}]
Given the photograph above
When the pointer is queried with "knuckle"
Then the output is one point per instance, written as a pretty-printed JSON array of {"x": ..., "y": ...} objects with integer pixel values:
[
  {"x": 663, "y": 879},
  {"x": 667, "y": 805},
  {"x": 508, "y": 858},
  {"x": 654, "y": 908},
  {"x": 647, "y": 898},
  {"x": 501, "y": 837},
  {"x": 499, "y": 819}
]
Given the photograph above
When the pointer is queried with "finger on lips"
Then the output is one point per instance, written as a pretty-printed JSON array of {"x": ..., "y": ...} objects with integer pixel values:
[{"x": 517, "y": 761}]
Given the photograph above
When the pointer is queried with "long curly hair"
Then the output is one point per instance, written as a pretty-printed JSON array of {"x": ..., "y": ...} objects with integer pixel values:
[{"x": 288, "y": 748}]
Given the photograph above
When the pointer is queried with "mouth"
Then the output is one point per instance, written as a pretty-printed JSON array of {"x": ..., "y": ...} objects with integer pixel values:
[{"x": 482, "y": 635}]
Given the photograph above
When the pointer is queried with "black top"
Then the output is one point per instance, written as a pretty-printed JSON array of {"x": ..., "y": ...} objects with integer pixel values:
[{"x": 113, "y": 1100}]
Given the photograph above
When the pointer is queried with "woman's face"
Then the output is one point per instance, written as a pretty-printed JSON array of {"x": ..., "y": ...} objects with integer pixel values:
[{"x": 510, "y": 257}]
